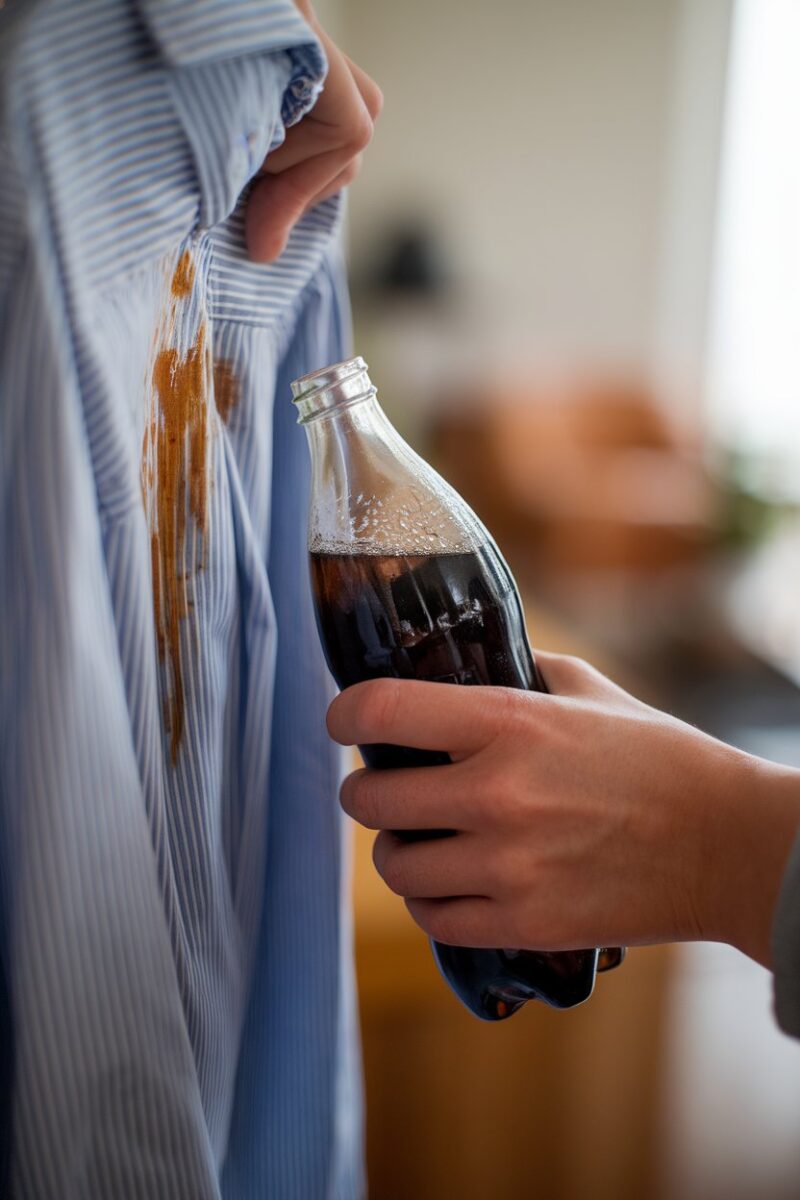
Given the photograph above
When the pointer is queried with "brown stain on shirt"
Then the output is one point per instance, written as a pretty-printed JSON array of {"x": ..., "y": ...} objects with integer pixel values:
[
  {"x": 226, "y": 388},
  {"x": 183, "y": 279},
  {"x": 175, "y": 484}
]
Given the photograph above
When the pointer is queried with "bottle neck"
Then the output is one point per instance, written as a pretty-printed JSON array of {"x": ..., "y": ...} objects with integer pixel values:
[
  {"x": 331, "y": 390},
  {"x": 356, "y": 425},
  {"x": 357, "y": 457},
  {"x": 370, "y": 492}
]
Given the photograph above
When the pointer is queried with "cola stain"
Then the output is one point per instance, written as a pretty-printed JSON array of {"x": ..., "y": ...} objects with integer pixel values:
[
  {"x": 226, "y": 388},
  {"x": 175, "y": 483},
  {"x": 183, "y": 278}
]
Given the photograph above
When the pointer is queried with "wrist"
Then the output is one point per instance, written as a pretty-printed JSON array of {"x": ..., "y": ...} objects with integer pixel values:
[{"x": 753, "y": 826}]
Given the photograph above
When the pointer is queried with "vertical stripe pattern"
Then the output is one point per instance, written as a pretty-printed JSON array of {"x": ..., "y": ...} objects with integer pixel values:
[{"x": 180, "y": 1017}]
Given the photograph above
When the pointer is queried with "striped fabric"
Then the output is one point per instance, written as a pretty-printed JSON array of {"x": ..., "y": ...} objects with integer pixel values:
[{"x": 176, "y": 995}]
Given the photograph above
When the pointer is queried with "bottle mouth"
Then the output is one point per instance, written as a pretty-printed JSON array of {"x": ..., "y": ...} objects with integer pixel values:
[{"x": 332, "y": 387}]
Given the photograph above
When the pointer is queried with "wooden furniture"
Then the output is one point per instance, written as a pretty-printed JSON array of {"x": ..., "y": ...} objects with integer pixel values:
[{"x": 591, "y": 477}]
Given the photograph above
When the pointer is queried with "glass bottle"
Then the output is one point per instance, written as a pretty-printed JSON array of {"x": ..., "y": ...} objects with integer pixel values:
[{"x": 408, "y": 583}]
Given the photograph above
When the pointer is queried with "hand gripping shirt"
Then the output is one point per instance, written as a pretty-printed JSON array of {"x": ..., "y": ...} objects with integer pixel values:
[{"x": 177, "y": 1004}]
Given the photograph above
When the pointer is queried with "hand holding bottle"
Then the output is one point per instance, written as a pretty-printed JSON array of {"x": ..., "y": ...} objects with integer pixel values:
[
  {"x": 583, "y": 817},
  {"x": 408, "y": 584}
]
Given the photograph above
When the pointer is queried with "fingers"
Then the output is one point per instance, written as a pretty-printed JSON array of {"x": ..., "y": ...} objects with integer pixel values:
[
  {"x": 342, "y": 119},
  {"x": 320, "y": 156},
  {"x": 423, "y": 798},
  {"x": 342, "y": 180},
  {"x": 371, "y": 94},
  {"x": 348, "y": 133},
  {"x": 429, "y": 869},
  {"x": 426, "y": 716},
  {"x": 303, "y": 141},
  {"x": 460, "y": 921},
  {"x": 277, "y": 202}
]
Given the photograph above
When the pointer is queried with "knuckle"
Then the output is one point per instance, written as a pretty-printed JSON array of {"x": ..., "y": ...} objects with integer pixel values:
[
  {"x": 379, "y": 853},
  {"x": 357, "y": 797},
  {"x": 394, "y": 878},
  {"x": 389, "y": 865},
  {"x": 361, "y": 130},
  {"x": 439, "y": 926},
  {"x": 432, "y": 918},
  {"x": 502, "y": 787},
  {"x": 509, "y": 870},
  {"x": 506, "y": 789},
  {"x": 347, "y": 794},
  {"x": 377, "y": 708},
  {"x": 419, "y": 910},
  {"x": 373, "y": 99},
  {"x": 511, "y": 709},
  {"x": 475, "y": 796},
  {"x": 577, "y": 672},
  {"x": 351, "y": 172},
  {"x": 578, "y": 666},
  {"x": 291, "y": 193}
]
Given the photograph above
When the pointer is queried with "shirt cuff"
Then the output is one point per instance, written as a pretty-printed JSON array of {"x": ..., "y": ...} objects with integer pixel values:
[
  {"x": 191, "y": 32},
  {"x": 239, "y": 74}
]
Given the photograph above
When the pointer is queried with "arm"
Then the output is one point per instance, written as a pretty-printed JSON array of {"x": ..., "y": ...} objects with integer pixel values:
[{"x": 583, "y": 817}]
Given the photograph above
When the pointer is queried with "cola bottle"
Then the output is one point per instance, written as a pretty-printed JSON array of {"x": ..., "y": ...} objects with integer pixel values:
[{"x": 408, "y": 583}]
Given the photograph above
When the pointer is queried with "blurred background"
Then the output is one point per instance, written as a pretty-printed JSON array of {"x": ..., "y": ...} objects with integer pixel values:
[{"x": 575, "y": 260}]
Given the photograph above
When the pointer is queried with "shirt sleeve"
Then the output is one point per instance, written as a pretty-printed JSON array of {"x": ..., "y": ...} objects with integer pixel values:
[
  {"x": 109, "y": 1097},
  {"x": 189, "y": 32},
  {"x": 786, "y": 947},
  {"x": 232, "y": 65},
  {"x": 105, "y": 1099}
]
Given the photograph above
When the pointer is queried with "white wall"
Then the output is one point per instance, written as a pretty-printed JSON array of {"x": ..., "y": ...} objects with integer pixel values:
[
  {"x": 689, "y": 204},
  {"x": 545, "y": 139},
  {"x": 329, "y": 15}
]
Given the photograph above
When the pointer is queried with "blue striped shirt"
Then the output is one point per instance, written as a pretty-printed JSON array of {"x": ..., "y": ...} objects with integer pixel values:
[{"x": 177, "y": 999}]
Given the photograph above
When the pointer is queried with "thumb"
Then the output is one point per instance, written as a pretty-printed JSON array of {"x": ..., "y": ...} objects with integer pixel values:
[{"x": 566, "y": 675}]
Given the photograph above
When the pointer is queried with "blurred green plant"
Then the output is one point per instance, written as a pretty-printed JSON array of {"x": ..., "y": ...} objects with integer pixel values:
[{"x": 751, "y": 508}]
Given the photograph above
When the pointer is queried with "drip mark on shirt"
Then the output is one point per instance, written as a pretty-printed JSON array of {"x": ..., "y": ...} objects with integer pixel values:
[
  {"x": 226, "y": 388},
  {"x": 175, "y": 482},
  {"x": 183, "y": 279}
]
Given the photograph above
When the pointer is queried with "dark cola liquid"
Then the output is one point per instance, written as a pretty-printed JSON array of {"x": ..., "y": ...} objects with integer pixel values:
[{"x": 450, "y": 618}]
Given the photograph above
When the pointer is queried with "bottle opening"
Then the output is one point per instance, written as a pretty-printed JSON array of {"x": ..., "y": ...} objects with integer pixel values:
[{"x": 336, "y": 386}]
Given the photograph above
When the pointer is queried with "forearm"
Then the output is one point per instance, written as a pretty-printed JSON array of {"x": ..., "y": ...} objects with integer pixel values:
[{"x": 753, "y": 828}]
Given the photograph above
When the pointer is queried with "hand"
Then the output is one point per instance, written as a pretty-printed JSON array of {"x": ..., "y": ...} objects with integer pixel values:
[
  {"x": 320, "y": 156},
  {"x": 581, "y": 818}
]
